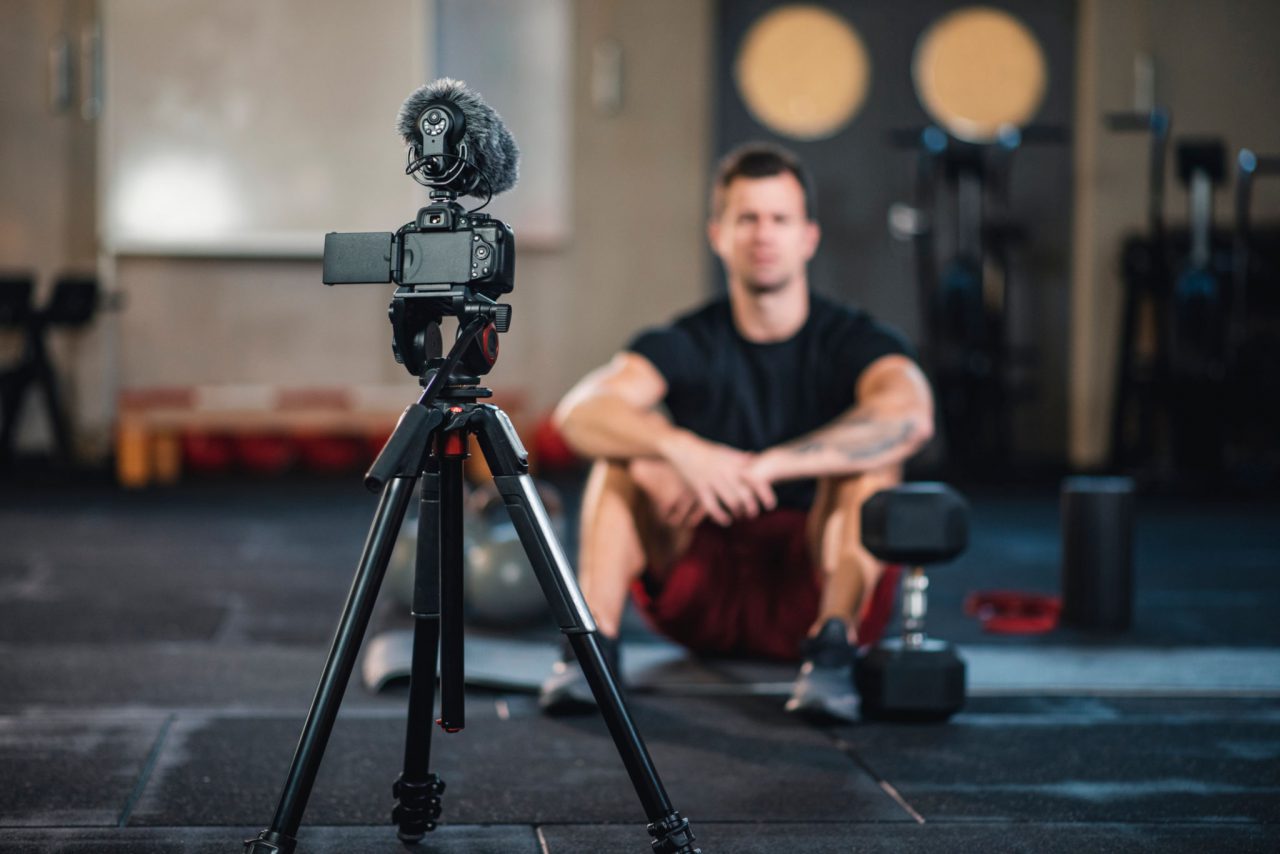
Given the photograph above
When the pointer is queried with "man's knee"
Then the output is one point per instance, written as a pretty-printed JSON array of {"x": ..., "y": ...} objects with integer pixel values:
[
  {"x": 852, "y": 491},
  {"x": 617, "y": 506},
  {"x": 835, "y": 522},
  {"x": 614, "y": 499},
  {"x": 610, "y": 479}
]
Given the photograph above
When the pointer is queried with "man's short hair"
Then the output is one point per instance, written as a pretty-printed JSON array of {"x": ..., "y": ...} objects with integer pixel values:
[{"x": 760, "y": 160}]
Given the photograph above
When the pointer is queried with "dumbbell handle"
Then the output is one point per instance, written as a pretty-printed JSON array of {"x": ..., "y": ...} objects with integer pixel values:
[{"x": 915, "y": 586}]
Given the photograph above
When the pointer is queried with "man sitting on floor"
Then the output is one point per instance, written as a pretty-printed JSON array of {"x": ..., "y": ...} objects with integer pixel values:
[{"x": 733, "y": 516}]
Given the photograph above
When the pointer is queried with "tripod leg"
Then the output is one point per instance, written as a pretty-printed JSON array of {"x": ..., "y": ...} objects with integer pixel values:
[
  {"x": 452, "y": 676},
  {"x": 280, "y": 837},
  {"x": 417, "y": 791},
  {"x": 505, "y": 455}
]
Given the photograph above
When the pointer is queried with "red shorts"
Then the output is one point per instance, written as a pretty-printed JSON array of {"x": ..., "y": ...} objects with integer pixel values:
[{"x": 749, "y": 589}]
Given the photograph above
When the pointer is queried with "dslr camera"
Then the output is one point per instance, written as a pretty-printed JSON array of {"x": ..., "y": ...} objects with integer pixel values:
[{"x": 443, "y": 247}]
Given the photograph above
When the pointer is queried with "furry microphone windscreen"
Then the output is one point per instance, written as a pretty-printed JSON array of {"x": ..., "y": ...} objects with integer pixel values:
[{"x": 493, "y": 150}]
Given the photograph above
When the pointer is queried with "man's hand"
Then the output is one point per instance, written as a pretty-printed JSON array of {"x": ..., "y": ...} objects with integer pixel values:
[
  {"x": 673, "y": 501},
  {"x": 719, "y": 477}
]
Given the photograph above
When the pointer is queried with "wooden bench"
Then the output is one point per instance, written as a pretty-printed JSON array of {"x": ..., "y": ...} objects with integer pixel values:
[{"x": 152, "y": 422}]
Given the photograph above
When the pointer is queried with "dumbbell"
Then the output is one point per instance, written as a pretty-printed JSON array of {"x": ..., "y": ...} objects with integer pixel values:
[{"x": 915, "y": 677}]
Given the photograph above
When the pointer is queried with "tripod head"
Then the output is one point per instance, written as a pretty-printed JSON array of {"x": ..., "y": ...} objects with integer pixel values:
[
  {"x": 416, "y": 339},
  {"x": 447, "y": 261}
]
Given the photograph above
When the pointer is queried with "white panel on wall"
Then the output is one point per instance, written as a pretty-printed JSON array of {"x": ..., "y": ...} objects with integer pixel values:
[
  {"x": 518, "y": 56},
  {"x": 237, "y": 127}
]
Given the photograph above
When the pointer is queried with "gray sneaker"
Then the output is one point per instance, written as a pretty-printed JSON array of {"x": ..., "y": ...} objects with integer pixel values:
[
  {"x": 565, "y": 691},
  {"x": 823, "y": 691}
]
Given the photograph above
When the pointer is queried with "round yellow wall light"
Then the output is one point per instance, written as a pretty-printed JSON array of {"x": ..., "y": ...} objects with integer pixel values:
[
  {"x": 803, "y": 71},
  {"x": 977, "y": 70}
]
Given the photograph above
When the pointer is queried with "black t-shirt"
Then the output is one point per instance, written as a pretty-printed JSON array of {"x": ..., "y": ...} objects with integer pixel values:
[{"x": 754, "y": 396}]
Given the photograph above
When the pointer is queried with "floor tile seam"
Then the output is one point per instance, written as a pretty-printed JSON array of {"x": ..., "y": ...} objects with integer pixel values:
[
  {"x": 159, "y": 713},
  {"x": 140, "y": 785},
  {"x": 158, "y": 828},
  {"x": 954, "y": 822},
  {"x": 172, "y": 646},
  {"x": 1158, "y": 692},
  {"x": 696, "y": 822},
  {"x": 882, "y": 782},
  {"x": 354, "y": 709},
  {"x": 1046, "y": 688},
  {"x": 136, "y": 829}
]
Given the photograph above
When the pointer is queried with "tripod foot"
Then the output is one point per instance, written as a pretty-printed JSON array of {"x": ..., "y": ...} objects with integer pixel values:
[
  {"x": 270, "y": 842},
  {"x": 672, "y": 835},
  {"x": 418, "y": 807}
]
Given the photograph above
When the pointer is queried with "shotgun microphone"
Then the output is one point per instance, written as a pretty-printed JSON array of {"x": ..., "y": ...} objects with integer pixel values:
[{"x": 456, "y": 141}]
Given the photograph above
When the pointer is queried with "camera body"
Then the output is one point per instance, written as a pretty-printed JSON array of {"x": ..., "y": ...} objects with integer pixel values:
[{"x": 445, "y": 246}]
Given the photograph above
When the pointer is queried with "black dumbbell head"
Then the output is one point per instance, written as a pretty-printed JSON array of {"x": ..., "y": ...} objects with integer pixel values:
[
  {"x": 900, "y": 683},
  {"x": 916, "y": 523}
]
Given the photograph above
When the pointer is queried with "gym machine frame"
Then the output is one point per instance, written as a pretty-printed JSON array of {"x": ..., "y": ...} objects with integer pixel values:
[
  {"x": 965, "y": 302},
  {"x": 430, "y": 443},
  {"x": 1197, "y": 290},
  {"x": 72, "y": 305}
]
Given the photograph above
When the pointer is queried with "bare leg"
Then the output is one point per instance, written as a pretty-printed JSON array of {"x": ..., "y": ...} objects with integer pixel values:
[
  {"x": 849, "y": 571},
  {"x": 619, "y": 537},
  {"x": 823, "y": 690}
]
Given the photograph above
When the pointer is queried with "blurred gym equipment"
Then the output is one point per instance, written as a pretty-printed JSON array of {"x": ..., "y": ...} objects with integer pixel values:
[
  {"x": 963, "y": 233},
  {"x": 1200, "y": 304},
  {"x": 1097, "y": 552},
  {"x": 915, "y": 677},
  {"x": 72, "y": 305},
  {"x": 1253, "y": 337},
  {"x": 1200, "y": 324},
  {"x": 1145, "y": 268}
]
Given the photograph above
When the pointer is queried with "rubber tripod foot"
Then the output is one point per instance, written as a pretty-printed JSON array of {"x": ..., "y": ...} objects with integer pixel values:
[
  {"x": 418, "y": 807},
  {"x": 672, "y": 835},
  {"x": 270, "y": 842}
]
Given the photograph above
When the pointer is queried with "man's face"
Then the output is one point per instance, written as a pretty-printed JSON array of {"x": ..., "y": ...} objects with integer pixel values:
[{"x": 762, "y": 235}]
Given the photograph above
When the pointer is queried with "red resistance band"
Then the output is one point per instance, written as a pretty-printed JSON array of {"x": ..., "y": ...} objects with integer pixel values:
[{"x": 1009, "y": 612}]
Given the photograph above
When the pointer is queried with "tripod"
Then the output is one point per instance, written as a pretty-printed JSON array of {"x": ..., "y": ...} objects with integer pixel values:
[{"x": 430, "y": 443}]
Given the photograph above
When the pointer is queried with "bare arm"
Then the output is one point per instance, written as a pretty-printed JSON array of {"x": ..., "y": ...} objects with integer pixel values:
[
  {"x": 611, "y": 413},
  {"x": 891, "y": 421}
]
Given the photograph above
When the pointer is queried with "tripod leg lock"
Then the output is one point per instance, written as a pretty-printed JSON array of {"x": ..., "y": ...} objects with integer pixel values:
[
  {"x": 270, "y": 842},
  {"x": 672, "y": 835},
  {"x": 418, "y": 806}
]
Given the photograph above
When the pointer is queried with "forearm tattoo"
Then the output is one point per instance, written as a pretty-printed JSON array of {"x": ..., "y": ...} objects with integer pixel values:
[{"x": 861, "y": 447}]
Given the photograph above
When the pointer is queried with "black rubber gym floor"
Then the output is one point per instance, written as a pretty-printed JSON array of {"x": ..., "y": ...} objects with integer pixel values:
[{"x": 158, "y": 651}]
